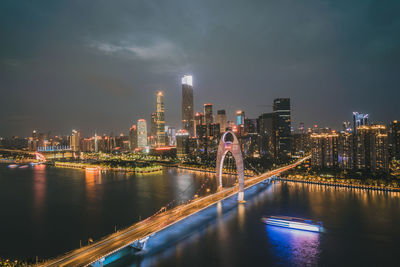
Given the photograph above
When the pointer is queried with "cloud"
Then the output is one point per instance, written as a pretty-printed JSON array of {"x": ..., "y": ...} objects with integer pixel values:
[{"x": 159, "y": 50}]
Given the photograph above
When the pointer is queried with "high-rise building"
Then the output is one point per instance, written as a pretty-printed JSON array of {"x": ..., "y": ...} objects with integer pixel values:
[
  {"x": 395, "y": 139},
  {"x": 346, "y": 150},
  {"x": 171, "y": 133},
  {"x": 198, "y": 120},
  {"x": 208, "y": 114},
  {"x": 324, "y": 150},
  {"x": 96, "y": 143},
  {"x": 187, "y": 104},
  {"x": 75, "y": 141},
  {"x": 133, "y": 137},
  {"x": 359, "y": 120},
  {"x": 240, "y": 117},
  {"x": 142, "y": 133},
  {"x": 221, "y": 120},
  {"x": 267, "y": 134},
  {"x": 372, "y": 148},
  {"x": 160, "y": 121},
  {"x": 182, "y": 143},
  {"x": 282, "y": 125},
  {"x": 153, "y": 126}
]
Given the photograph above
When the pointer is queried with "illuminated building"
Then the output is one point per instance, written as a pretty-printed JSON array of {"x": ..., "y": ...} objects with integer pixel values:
[
  {"x": 75, "y": 141},
  {"x": 239, "y": 117},
  {"x": 142, "y": 133},
  {"x": 153, "y": 126},
  {"x": 171, "y": 133},
  {"x": 282, "y": 126},
  {"x": 221, "y": 120},
  {"x": 198, "y": 121},
  {"x": 182, "y": 143},
  {"x": 265, "y": 125},
  {"x": 359, "y": 120},
  {"x": 372, "y": 148},
  {"x": 160, "y": 120},
  {"x": 187, "y": 104},
  {"x": 96, "y": 143},
  {"x": 324, "y": 150},
  {"x": 133, "y": 137},
  {"x": 395, "y": 139},
  {"x": 208, "y": 114},
  {"x": 346, "y": 150}
]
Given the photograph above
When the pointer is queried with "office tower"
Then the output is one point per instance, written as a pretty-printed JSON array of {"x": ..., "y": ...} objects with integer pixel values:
[
  {"x": 395, "y": 139},
  {"x": 160, "y": 121},
  {"x": 221, "y": 120},
  {"x": 75, "y": 140},
  {"x": 198, "y": 120},
  {"x": 153, "y": 126},
  {"x": 239, "y": 117},
  {"x": 182, "y": 143},
  {"x": 133, "y": 137},
  {"x": 267, "y": 138},
  {"x": 282, "y": 125},
  {"x": 171, "y": 133},
  {"x": 142, "y": 133},
  {"x": 359, "y": 120},
  {"x": 324, "y": 150},
  {"x": 372, "y": 148},
  {"x": 208, "y": 113},
  {"x": 187, "y": 104}
]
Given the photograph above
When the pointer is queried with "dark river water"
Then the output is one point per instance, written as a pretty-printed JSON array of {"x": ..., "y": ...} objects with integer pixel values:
[{"x": 46, "y": 211}]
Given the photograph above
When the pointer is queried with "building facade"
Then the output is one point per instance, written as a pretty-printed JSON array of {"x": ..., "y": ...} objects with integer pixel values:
[{"x": 187, "y": 104}]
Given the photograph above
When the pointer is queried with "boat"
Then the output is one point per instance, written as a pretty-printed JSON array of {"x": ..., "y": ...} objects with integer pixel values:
[
  {"x": 12, "y": 166},
  {"x": 293, "y": 223},
  {"x": 23, "y": 166}
]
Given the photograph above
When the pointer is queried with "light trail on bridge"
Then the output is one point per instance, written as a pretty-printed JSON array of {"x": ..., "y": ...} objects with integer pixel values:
[{"x": 94, "y": 252}]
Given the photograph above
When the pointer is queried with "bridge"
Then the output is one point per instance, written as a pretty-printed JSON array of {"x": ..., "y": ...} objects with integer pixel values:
[{"x": 137, "y": 235}]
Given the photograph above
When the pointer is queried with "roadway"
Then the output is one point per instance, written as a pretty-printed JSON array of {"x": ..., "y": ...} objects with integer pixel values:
[{"x": 110, "y": 244}]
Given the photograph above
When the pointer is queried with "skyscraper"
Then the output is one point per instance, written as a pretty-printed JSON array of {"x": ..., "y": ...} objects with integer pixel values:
[
  {"x": 75, "y": 140},
  {"x": 153, "y": 126},
  {"x": 182, "y": 143},
  {"x": 265, "y": 126},
  {"x": 133, "y": 137},
  {"x": 358, "y": 120},
  {"x": 221, "y": 120},
  {"x": 208, "y": 113},
  {"x": 160, "y": 119},
  {"x": 187, "y": 104},
  {"x": 142, "y": 133},
  {"x": 395, "y": 139},
  {"x": 282, "y": 124},
  {"x": 198, "y": 121},
  {"x": 324, "y": 149},
  {"x": 239, "y": 117}
]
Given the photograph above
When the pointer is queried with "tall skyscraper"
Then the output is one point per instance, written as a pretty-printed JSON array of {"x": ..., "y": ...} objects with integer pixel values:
[
  {"x": 142, "y": 133},
  {"x": 324, "y": 149},
  {"x": 153, "y": 126},
  {"x": 267, "y": 139},
  {"x": 198, "y": 121},
  {"x": 282, "y": 124},
  {"x": 239, "y": 117},
  {"x": 160, "y": 121},
  {"x": 358, "y": 120},
  {"x": 75, "y": 140},
  {"x": 221, "y": 120},
  {"x": 133, "y": 137},
  {"x": 187, "y": 104},
  {"x": 208, "y": 113}
]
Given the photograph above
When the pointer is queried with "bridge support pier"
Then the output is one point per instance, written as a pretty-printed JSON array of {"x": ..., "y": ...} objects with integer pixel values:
[
  {"x": 98, "y": 263},
  {"x": 140, "y": 244}
]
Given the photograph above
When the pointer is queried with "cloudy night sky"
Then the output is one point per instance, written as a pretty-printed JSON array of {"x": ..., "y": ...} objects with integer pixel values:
[{"x": 96, "y": 65}]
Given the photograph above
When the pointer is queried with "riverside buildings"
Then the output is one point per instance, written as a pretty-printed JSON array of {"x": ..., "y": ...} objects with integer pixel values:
[{"x": 160, "y": 120}]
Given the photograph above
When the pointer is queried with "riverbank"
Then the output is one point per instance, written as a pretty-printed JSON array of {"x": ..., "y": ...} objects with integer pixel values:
[
  {"x": 204, "y": 170},
  {"x": 96, "y": 167},
  {"x": 339, "y": 184}
]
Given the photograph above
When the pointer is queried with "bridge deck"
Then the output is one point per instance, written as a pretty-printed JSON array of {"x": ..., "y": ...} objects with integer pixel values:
[{"x": 89, "y": 254}]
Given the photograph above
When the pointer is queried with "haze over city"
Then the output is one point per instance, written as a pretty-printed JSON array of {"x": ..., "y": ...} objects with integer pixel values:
[{"x": 74, "y": 64}]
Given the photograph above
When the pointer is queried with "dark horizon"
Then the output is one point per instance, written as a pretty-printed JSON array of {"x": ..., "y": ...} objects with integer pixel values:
[{"x": 75, "y": 65}]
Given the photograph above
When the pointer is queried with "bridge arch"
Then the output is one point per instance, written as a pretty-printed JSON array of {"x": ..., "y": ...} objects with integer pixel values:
[{"x": 230, "y": 143}]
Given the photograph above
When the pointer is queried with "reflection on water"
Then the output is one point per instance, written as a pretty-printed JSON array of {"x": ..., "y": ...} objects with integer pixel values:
[
  {"x": 39, "y": 190},
  {"x": 299, "y": 248},
  {"x": 92, "y": 178}
]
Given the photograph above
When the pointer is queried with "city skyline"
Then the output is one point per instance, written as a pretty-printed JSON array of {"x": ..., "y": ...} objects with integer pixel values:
[{"x": 327, "y": 68}]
